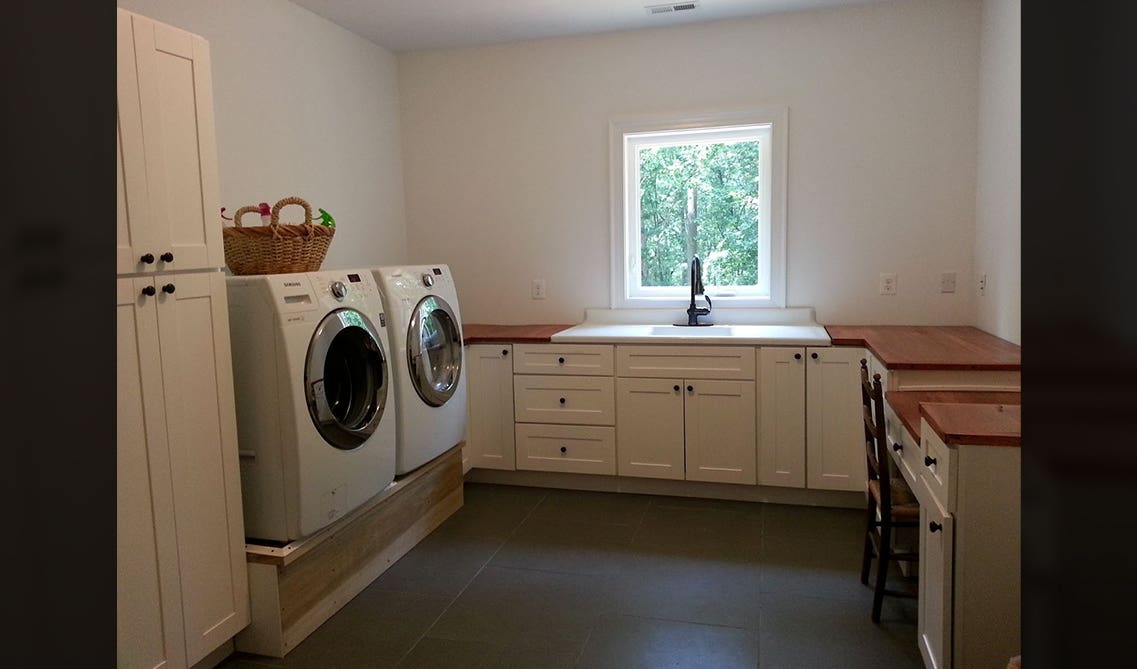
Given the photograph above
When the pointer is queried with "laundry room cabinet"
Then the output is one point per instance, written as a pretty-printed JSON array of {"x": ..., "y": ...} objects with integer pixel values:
[
  {"x": 809, "y": 409},
  {"x": 182, "y": 586},
  {"x": 686, "y": 413},
  {"x": 167, "y": 151},
  {"x": 489, "y": 426}
]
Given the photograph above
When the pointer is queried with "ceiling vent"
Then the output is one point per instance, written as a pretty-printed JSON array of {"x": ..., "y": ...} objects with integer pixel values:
[{"x": 671, "y": 7}]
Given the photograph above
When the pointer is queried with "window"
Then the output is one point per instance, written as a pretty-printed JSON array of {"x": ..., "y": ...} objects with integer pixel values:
[{"x": 711, "y": 186}]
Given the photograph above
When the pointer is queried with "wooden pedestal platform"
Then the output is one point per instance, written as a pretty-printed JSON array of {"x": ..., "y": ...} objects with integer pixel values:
[{"x": 295, "y": 588}]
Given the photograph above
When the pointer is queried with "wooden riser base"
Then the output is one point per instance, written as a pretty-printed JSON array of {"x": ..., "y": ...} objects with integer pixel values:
[{"x": 294, "y": 589}]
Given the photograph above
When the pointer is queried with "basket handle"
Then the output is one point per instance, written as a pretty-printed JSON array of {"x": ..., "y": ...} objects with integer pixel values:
[
  {"x": 249, "y": 209},
  {"x": 291, "y": 200}
]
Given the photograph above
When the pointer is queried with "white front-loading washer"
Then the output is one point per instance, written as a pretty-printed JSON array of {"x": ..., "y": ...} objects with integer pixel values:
[
  {"x": 421, "y": 303},
  {"x": 315, "y": 411}
]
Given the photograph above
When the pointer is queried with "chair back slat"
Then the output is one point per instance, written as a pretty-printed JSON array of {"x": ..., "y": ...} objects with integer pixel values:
[{"x": 876, "y": 453}]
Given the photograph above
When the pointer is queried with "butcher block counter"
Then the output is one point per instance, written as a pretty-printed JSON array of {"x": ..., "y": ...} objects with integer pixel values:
[
  {"x": 961, "y": 417},
  {"x": 488, "y": 333},
  {"x": 931, "y": 347}
]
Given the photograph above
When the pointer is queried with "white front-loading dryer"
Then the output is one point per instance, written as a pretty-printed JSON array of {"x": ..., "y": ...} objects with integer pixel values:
[
  {"x": 421, "y": 303},
  {"x": 315, "y": 409}
]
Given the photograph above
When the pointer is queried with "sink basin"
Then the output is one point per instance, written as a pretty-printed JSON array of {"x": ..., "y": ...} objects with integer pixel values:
[{"x": 691, "y": 331}]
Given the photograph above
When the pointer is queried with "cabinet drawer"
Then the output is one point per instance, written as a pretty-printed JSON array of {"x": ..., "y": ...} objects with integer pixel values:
[
  {"x": 568, "y": 359},
  {"x": 686, "y": 362},
  {"x": 935, "y": 467},
  {"x": 573, "y": 400},
  {"x": 566, "y": 448}
]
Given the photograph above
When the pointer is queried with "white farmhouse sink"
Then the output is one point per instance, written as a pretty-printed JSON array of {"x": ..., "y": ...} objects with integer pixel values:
[
  {"x": 692, "y": 331},
  {"x": 792, "y": 326}
]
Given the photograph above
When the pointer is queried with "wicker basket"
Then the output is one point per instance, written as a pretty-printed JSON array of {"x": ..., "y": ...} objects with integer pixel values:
[{"x": 276, "y": 248}]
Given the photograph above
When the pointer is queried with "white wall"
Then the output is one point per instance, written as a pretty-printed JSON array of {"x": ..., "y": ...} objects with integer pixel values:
[
  {"x": 505, "y": 154},
  {"x": 998, "y": 226},
  {"x": 303, "y": 107}
]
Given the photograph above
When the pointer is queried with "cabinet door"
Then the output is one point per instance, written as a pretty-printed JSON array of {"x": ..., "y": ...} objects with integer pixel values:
[
  {"x": 834, "y": 436},
  {"x": 719, "y": 418},
  {"x": 649, "y": 428},
  {"x": 193, "y": 329},
  {"x": 489, "y": 440},
  {"x": 134, "y": 236},
  {"x": 149, "y": 614},
  {"x": 176, "y": 102},
  {"x": 933, "y": 627},
  {"x": 781, "y": 416}
]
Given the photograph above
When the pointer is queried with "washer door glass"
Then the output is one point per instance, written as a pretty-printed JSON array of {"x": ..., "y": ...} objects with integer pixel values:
[
  {"x": 345, "y": 378},
  {"x": 434, "y": 350}
]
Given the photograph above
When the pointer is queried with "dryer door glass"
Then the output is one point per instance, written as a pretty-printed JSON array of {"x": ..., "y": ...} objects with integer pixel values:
[
  {"x": 434, "y": 350},
  {"x": 345, "y": 379}
]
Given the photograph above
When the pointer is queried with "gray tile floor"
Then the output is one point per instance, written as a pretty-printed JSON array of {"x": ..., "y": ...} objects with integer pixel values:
[{"x": 532, "y": 577}]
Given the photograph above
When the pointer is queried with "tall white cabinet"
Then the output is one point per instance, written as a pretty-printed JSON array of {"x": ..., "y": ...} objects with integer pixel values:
[{"x": 182, "y": 585}]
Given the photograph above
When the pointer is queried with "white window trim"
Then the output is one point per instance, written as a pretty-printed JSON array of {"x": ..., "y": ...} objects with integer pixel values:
[{"x": 778, "y": 118}]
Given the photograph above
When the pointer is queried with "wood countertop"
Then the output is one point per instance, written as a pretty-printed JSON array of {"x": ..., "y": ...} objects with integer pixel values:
[
  {"x": 959, "y": 347},
  {"x": 486, "y": 333},
  {"x": 961, "y": 416}
]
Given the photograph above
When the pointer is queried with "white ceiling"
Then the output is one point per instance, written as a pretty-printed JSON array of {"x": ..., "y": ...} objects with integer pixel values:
[{"x": 408, "y": 25}]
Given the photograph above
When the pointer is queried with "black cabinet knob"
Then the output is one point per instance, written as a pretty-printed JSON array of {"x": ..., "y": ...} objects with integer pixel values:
[
  {"x": 929, "y": 461},
  {"x": 147, "y": 258},
  {"x": 168, "y": 288},
  {"x": 167, "y": 257},
  {"x": 813, "y": 355},
  {"x": 562, "y": 400},
  {"x": 934, "y": 526},
  {"x": 564, "y": 449},
  {"x": 561, "y": 360},
  {"x": 148, "y": 291},
  {"x": 797, "y": 356},
  {"x": 690, "y": 389},
  {"x": 897, "y": 446},
  {"x": 676, "y": 388},
  {"x": 505, "y": 351}
]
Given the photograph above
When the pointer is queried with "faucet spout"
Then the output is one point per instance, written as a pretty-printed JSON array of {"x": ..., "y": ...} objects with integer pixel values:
[{"x": 694, "y": 312}]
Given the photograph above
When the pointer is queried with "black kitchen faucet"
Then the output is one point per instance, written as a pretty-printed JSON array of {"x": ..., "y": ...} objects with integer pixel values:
[{"x": 694, "y": 312}]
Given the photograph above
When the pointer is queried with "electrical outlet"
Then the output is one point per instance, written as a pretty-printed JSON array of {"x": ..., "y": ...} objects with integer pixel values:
[
  {"x": 888, "y": 283},
  {"x": 982, "y": 284},
  {"x": 537, "y": 289},
  {"x": 947, "y": 282}
]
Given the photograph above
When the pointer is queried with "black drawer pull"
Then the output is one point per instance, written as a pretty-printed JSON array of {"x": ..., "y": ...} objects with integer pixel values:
[
  {"x": 934, "y": 526},
  {"x": 897, "y": 446},
  {"x": 562, "y": 400},
  {"x": 147, "y": 258},
  {"x": 929, "y": 461},
  {"x": 561, "y": 360},
  {"x": 564, "y": 449},
  {"x": 505, "y": 351},
  {"x": 168, "y": 288},
  {"x": 676, "y": 388},
  {"x": 166, "y": 257},
  {"x": 148, "y": 291},
  {"x": 797, "y": 356},
  {"x": 813, "y": 355},
  {"x": 690, "y": 389}
]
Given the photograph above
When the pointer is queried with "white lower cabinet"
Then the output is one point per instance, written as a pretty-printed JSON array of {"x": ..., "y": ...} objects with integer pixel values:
[
  {"x": 781, "y": 416},
  {"x": 809, "y": 409},
  {"x": 835, "y": 450},
  {"x": 688, "y": 427},
  {"x": 182, "y": 584},
  {"x": 933, "y": 618},
  {"x": 489, "y": 432},
  {"x": 564, "y": 408}
]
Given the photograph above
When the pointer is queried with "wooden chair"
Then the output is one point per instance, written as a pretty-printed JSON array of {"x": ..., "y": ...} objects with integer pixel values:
[{"x": 890, "y": 502}]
